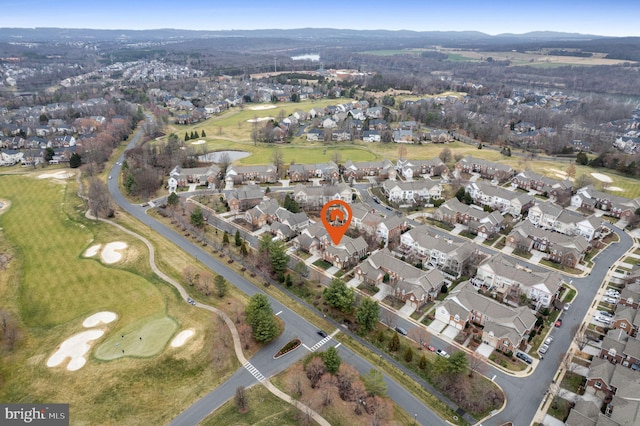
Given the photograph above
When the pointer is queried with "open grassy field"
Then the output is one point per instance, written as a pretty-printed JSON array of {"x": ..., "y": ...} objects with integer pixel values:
[{"x": 50, "y": 288}]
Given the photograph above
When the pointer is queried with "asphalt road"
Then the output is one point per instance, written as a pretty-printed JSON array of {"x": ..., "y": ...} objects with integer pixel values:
[
  {"x": 523, "y": 394},
  {"x": 295, "y": 326}
]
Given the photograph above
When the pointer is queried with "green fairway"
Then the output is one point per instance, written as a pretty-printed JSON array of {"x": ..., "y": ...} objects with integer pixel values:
[
  {"x": 58, "y": 285},
  {"x": 143, "y": 338}
]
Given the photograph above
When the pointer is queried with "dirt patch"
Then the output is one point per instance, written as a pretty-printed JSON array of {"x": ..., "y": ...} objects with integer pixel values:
[{"x": 61, "y": 174}]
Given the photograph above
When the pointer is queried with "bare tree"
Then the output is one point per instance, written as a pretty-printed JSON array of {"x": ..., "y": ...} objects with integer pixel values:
[
  {"x": 241, "y": 399},
  {"x": 206, "y": 280},
  {"x": 223, "y": 161},
  {"x": 445, "y": 155},
  {"x": 190, "y": 275},
  {"x": 580, "y": 336},
  {"x": 420, "y": 335},
  {"x": 99, "y": 199},
  {"x": 277, "y": 158},
  {"x": 476, "y": 363}
]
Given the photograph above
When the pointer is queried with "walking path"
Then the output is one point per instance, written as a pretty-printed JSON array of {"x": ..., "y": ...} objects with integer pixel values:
[{"x": 237, "y": 345}]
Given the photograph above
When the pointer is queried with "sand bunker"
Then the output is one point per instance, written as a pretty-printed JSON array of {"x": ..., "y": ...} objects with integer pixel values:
[
  {"x": 62, "y": 174},
  {"x": 614, "y": 188},
  {"x": 92, "y": 251},
  {"x": 110, "y": 253},
  {"x": 262, "y": 107},
  {"x": 104, "y": 317},
  {"x": 256, "y": 120},
  {"x": 601, "y": 177},
  {"x": 200, "y": 142},
  {"x": 559, "y": 173},
  {"x": 75, "y": 347},
  {"x": 181, "y": 338}
]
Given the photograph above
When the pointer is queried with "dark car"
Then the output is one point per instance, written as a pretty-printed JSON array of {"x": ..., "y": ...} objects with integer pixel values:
[
  {"x": 322, "y": 333},
  {"x": 401, "y": 331},
  {"x": 526, "y": 358}
]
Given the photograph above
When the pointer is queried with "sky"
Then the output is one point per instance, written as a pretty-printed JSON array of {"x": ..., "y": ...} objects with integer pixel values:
[{"x": 608, "y": 18}]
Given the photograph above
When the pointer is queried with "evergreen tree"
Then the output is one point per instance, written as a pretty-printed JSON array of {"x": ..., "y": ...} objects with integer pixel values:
[
  {"x": 238, "y": 240},
  {"x": 173, "y": 200},
  {"x": 203, "y": 134},
  {"x": 278, "y": 257},
  {"x": 367, "y": 314},
  {"x": 186, "y": 136},
  {"x": 331, "y": 360},
  {"x": 266, "y": 328},
  {"x": 221, "y": 285},
  {"x": 243, "y": 250},
  {"x": 374, "y": 383},
  {"x": 259, "y": 303},
  {"x": 339, "y": 296},
  {"x": 225, "y": 238},
  {"x": 422, "y": 362},
  {"x": 197, "y": 218},
  {"x": 75, "y": 161},
  {"x": 394, "y": 343},
  {"x": 288, "y": 281},
  {"x": 408, "y": 354}
]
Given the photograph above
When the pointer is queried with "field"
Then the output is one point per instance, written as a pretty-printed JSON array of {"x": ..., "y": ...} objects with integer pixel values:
[
  {"x": 534, "y": 58},
  {"x": 49, "y": 288}
]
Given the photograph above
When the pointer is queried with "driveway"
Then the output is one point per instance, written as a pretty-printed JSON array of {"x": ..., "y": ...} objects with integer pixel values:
[
  {"x": 385, "y": 290},
  {"x": 485, "y": 350},
  {"x": 450, "y": 332},
  {"x": 436, "y": 326},
  {"x": 408, "y": 308}
]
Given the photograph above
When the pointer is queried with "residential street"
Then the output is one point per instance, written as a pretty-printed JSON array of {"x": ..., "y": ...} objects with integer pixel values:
[{"x": 524, "y": 394}]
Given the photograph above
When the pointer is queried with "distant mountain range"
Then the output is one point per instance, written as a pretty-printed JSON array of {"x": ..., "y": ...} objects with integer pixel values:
[{"x": 76, "y": 34}]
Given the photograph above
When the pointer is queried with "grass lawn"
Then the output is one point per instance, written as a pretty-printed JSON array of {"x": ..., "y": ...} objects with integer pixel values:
[
  {"x": 559, "y": 408},
  {"x": 144, "y": 338},
  {"x": 265, "y": 409},
  {"x": 50, "y": 288},
  {"x": 572, "y": 381}
]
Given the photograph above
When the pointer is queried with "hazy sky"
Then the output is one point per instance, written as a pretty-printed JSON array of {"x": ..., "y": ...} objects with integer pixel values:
[{"x": 599, "y": 17}]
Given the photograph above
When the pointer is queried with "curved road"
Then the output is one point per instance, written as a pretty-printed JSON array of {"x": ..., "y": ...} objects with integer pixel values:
[
  {"x": 295, "y": 326},
  {"x": 524, "y": 394}
]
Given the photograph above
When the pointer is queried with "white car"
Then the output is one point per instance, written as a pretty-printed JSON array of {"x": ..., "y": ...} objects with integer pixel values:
[
  {"x": 613, "y": 293},
  {"x": 611, "y": 300},
  {"x": 442, "y": 353},
  {"x": 548, "y": 340},
  {"x": 603, "y": 320},
  {"x": 543, "y": 349}
]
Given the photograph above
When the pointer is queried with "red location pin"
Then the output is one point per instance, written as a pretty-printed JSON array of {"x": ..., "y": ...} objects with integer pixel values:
[{"x": 336, "y": 216}]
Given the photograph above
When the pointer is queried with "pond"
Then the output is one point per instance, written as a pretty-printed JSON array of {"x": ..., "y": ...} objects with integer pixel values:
[{"x": 214, "y": 157}]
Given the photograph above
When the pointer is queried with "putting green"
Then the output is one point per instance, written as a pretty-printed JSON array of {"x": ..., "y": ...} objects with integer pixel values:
[{"x": 143, "y": 338}]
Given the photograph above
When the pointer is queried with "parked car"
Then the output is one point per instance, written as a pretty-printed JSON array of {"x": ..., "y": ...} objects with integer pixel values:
[
  {"x": 442, "y": 353},
  {"x": 543, "y": 349},
  {"x": 612, "y": 293},
  {"x": 567, "y": 306},
  {"x": 526, "y": 358},
  {"x": 401, "y": 331},
  {"x": 431, "y": 348},
  {"x": 322, "y": 333},
  {"x": 611, "y": 300},
  {"x": 558, "y": 323},
  {"x": 548, "y": 340},
  {"x": 191, "y": 301},
  {"x": 603, "y": 320},
  {"x": 606, "y": 314}
]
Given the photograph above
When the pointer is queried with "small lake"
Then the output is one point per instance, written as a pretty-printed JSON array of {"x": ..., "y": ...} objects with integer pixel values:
[
  {"x": 307, "y": 57},
  {"x": 214, "y": 157}
]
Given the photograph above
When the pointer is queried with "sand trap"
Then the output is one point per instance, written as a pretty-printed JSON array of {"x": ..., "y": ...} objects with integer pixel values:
[
  {"x": 256, "y": 120},
  {"x": 75, "y": 347},
  {"x": 104, "y": 317},
  {"x": 559, "y": 173},
  {"x": 601, "y": 177},
  {"x": 110, "y": 252},
  {"x": 614, "y": 188},
  {"x": 262, "y": 107},
  {"x": 181, "y": 338},
  {"x": 92, "y": 251},
  {"x": 62, "y": 174},
  {"x": 200, "y": 142}
]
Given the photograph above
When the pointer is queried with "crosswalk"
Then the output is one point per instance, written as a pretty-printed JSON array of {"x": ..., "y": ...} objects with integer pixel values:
[
  {"x": 254, "y": 371},
  {"x": 319, "y": 344}
]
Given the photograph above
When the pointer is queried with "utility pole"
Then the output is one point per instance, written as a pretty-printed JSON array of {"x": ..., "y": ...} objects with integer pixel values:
[{"x": 274, "y": 64}]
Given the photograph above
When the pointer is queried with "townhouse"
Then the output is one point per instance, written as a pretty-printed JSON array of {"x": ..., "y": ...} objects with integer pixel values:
[
  {"x": 410, "y": 168},
  {"x": 347, "y": 254},
  {"x": 589, "y": 198},
  {"x": 486, "y": 169},
  {"x": 435, "y": 251},
  {"x": 478, "y": 221},
  {"x": 258, "y": 174},
  {"x": 412, "y": 192},
  {"x": 504, "y": 327},
  {"x": 498, "y": 198},
  {"x": 361, "y": 169},
  {"x": 506, "y": 277},
  {"x": 314, "y": 197},
  {"x": 407, "y": 281},
  {"x": 328, "y": 171}
]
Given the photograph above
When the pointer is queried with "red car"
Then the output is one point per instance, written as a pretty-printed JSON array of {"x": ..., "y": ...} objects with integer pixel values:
[
  {"x": 431, "y": 348},
  {"x": 558, "y": 323}
]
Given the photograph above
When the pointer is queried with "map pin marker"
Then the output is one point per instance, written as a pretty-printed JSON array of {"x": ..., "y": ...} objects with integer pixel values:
[{"x": 336, "y": 216}]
